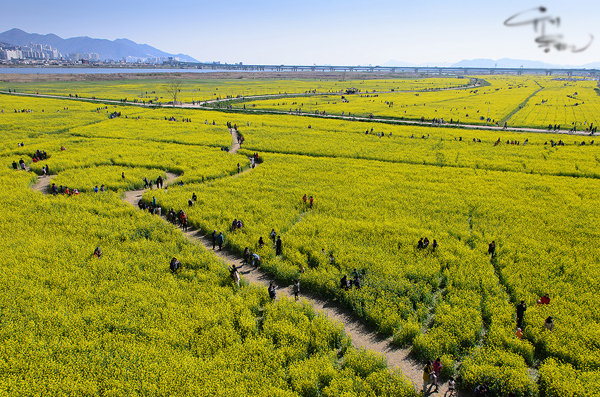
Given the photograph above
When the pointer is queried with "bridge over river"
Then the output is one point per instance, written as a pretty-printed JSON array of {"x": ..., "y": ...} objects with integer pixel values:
[{"x": 434, "y": 70}]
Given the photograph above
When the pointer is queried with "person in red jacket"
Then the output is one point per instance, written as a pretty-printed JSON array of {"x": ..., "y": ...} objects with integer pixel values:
[{"x": 544, "y": 300}]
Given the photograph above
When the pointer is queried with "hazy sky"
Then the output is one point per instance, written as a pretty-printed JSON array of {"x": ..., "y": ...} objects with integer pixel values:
[{"x": 348, "y": 32}]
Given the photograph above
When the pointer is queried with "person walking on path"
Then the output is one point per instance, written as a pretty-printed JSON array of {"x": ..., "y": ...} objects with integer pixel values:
[
  {"x": 451, "y": 387},
  {"x": 246, "y": 256},
  {"x": 220, "y": 240},
  {"x": 427, "y": 376},
  {"x": 278, "y": 246},
  {"x": 214, "y": 238},
  {"x": 272, "y": 291},
  {"x": 492, "y": 249},
  {"x": 437, "y": 369},
  {"x": 521, "y": 307},
  {"x": 296, "y": 288},
  {"x": 255, "y": 260}
]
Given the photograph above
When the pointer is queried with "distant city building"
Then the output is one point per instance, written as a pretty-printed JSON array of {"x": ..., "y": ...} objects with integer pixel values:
[
  {"x": 11, "y": 54},
  {"x": 38, "y": 52},
  {"x": 73, "y": 57}
]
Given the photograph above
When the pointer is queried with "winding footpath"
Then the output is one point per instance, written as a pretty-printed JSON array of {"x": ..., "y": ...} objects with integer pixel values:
[{"x": 362, "y": 335}]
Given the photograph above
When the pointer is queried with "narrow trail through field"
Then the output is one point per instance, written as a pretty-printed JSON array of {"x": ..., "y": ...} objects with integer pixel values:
[
  {"x": 42, "y": 184},
  {"x": 134, "y": 196},
  {"x": 362, "y": 335},
  {"x": 309, "y": 94},
  {"x": 235, "y": 146}
]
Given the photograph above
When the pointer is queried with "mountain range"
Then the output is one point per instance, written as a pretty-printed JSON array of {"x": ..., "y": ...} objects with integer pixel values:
[
  {"x": 123, "y": 48},
  {"x": 106, "y": 49},
  {"x": 498, "y": 63}
]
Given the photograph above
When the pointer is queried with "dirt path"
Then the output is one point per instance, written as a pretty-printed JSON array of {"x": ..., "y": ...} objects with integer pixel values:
[
  {"x": 235, "y": 145},
  {"x": 133, "y": 196},
  {"x": 362, "y": 335},
  {"x": 42, "y": 184}
]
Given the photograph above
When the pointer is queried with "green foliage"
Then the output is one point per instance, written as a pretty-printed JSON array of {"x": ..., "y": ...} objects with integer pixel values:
[
  {"x": 503, "y": 372},
  {"x": 406, "y": 333},
  {"x": 562, "y": 380},
  {"x": 364, "y": 362}
]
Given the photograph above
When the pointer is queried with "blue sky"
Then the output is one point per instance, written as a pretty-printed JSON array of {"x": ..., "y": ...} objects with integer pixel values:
[{"x": 348, "y": 32}]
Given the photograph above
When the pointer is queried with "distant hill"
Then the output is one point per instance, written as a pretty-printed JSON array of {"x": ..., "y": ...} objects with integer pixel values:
[
  {"x": 7, "y": 46},
  {"x": 106, "y": 49}
]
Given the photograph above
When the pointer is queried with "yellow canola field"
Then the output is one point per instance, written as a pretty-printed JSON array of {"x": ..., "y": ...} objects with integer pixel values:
[
  {"x": 435, "y": 146},
  {"x": 375, "y": 197},
  {"x": 122, "y": 324},
  {"x": 22, "y": 118},
  {"x": 198, "y": 89},
  {"x": 369, "y": 215},
  {"x": 562, "y": 102},
  {"x": 468, "y": 106}
]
